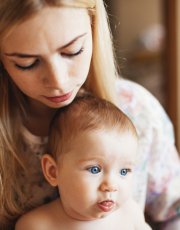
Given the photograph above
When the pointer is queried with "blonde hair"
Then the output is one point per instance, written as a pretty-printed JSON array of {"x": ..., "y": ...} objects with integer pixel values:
[
  {"x": 85, "y": 114},
  {"x": 100, "y": 81}
]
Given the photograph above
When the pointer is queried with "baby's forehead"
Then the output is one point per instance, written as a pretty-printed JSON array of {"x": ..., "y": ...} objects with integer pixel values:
[
  {"x": 103, "y": 139},
  {"x": 111, "y": 132},
  {"x": 101, "y": 147}
]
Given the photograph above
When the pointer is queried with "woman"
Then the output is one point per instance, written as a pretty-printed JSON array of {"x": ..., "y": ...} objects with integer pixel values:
[{"x": 51, "y": 49}]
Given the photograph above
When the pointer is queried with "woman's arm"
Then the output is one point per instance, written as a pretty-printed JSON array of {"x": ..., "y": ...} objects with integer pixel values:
[
  {"x": 172, "y": 225},
  {"x": 162, "y": 162}
]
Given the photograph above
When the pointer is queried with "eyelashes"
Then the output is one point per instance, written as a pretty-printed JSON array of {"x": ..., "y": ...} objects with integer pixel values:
[
  {"x": 123, "y": 172},
  {"x": 73, "y": 54},
  {"x": 37, "y": 61},
  {"x": 33, "y": 65},
  {"x": 97, "y": 169},
  {"x": 94, "y": 169}
]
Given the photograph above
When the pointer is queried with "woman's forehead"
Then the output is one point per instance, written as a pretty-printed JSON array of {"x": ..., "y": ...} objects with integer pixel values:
[{"x": 53, "y": 24}]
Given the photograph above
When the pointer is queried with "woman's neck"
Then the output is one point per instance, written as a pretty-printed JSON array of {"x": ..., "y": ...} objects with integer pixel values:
[{"x": 39, "y": 117}]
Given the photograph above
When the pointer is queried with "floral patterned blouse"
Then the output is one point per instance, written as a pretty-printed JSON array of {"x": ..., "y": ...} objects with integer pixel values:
[{"x": 157, "y": 175}]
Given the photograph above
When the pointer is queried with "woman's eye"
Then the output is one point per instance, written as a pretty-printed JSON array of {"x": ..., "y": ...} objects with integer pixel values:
[
  {"x": 124, "y": 172},
  {"x": 28, "y": 67},
  {"x": 94, "y": 169},
  {"x": 73, "y": 54}
]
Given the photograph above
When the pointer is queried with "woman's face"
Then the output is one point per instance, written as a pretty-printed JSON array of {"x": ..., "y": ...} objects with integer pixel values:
[{"x": 48, "y": 56}]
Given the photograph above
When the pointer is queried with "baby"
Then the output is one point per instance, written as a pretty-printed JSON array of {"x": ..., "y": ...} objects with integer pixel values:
[{"x": 92, "y": 155}]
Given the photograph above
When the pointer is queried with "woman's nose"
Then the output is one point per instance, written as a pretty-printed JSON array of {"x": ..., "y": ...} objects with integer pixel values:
[{"x": 56, "y": 73}]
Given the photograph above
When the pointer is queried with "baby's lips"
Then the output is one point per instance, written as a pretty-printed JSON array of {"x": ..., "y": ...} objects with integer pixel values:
[{"x": 106, "y": 205}]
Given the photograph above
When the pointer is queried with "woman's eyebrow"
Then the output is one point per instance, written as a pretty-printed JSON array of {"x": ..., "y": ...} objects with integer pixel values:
[{"x": 24, "y": 55}]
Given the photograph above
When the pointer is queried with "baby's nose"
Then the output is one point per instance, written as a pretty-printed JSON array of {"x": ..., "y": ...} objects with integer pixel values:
[{"x": 109, "y": 186}]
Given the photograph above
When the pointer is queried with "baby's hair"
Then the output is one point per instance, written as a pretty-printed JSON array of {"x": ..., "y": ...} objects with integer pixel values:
[{"x": 85, "y": 113}]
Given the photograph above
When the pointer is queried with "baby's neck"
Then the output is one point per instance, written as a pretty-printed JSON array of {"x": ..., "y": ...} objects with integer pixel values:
[{"x": 114, "y": 221}]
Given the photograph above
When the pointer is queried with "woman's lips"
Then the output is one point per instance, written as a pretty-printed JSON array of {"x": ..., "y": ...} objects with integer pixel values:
[
  {"x": 58, "y": 99},
  {"x": 106, "y": 205}
]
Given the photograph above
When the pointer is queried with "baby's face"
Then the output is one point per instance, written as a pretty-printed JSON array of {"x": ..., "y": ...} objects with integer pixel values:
[{"x": 95, "y": 177}]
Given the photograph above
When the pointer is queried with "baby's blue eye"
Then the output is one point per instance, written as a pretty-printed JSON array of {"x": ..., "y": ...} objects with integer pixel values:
[
  {"x": 94, "y": 169},
  {"x": 124, "y": 172}
]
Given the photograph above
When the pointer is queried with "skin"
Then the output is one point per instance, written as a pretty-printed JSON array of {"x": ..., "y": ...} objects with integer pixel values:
[
  {"x": 103, "y": 167},
  {"x": 48, "y": 58},
  {"x": 99, "y": 170}
]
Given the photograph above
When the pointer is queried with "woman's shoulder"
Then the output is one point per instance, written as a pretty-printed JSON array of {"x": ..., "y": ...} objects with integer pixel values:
[
  {"x": 133, "y": 95},
  {"x": 140, "y": 105}
]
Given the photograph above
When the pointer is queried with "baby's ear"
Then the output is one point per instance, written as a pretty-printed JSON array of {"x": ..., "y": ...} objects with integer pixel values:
[{"x": 49, "y": 168}]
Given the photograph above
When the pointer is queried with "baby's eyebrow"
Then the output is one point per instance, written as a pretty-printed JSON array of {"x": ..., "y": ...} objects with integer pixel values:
[
  {"x": 24, "y": 55},
  {"x": 89, "y": 159}
]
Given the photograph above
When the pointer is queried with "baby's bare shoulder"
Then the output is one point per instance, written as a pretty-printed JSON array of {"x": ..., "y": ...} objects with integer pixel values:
[{"x": 38, "y": 219}]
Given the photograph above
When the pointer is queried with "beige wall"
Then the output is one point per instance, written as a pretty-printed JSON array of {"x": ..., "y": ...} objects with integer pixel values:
[{"x": 133, "y": 16}]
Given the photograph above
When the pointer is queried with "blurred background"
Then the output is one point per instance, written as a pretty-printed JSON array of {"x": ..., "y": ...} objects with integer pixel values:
[{"x": 147, "y": 40}]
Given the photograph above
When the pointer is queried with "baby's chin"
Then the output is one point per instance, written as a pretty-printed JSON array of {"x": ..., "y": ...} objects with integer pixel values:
[{"x": 94, "y": 216}]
